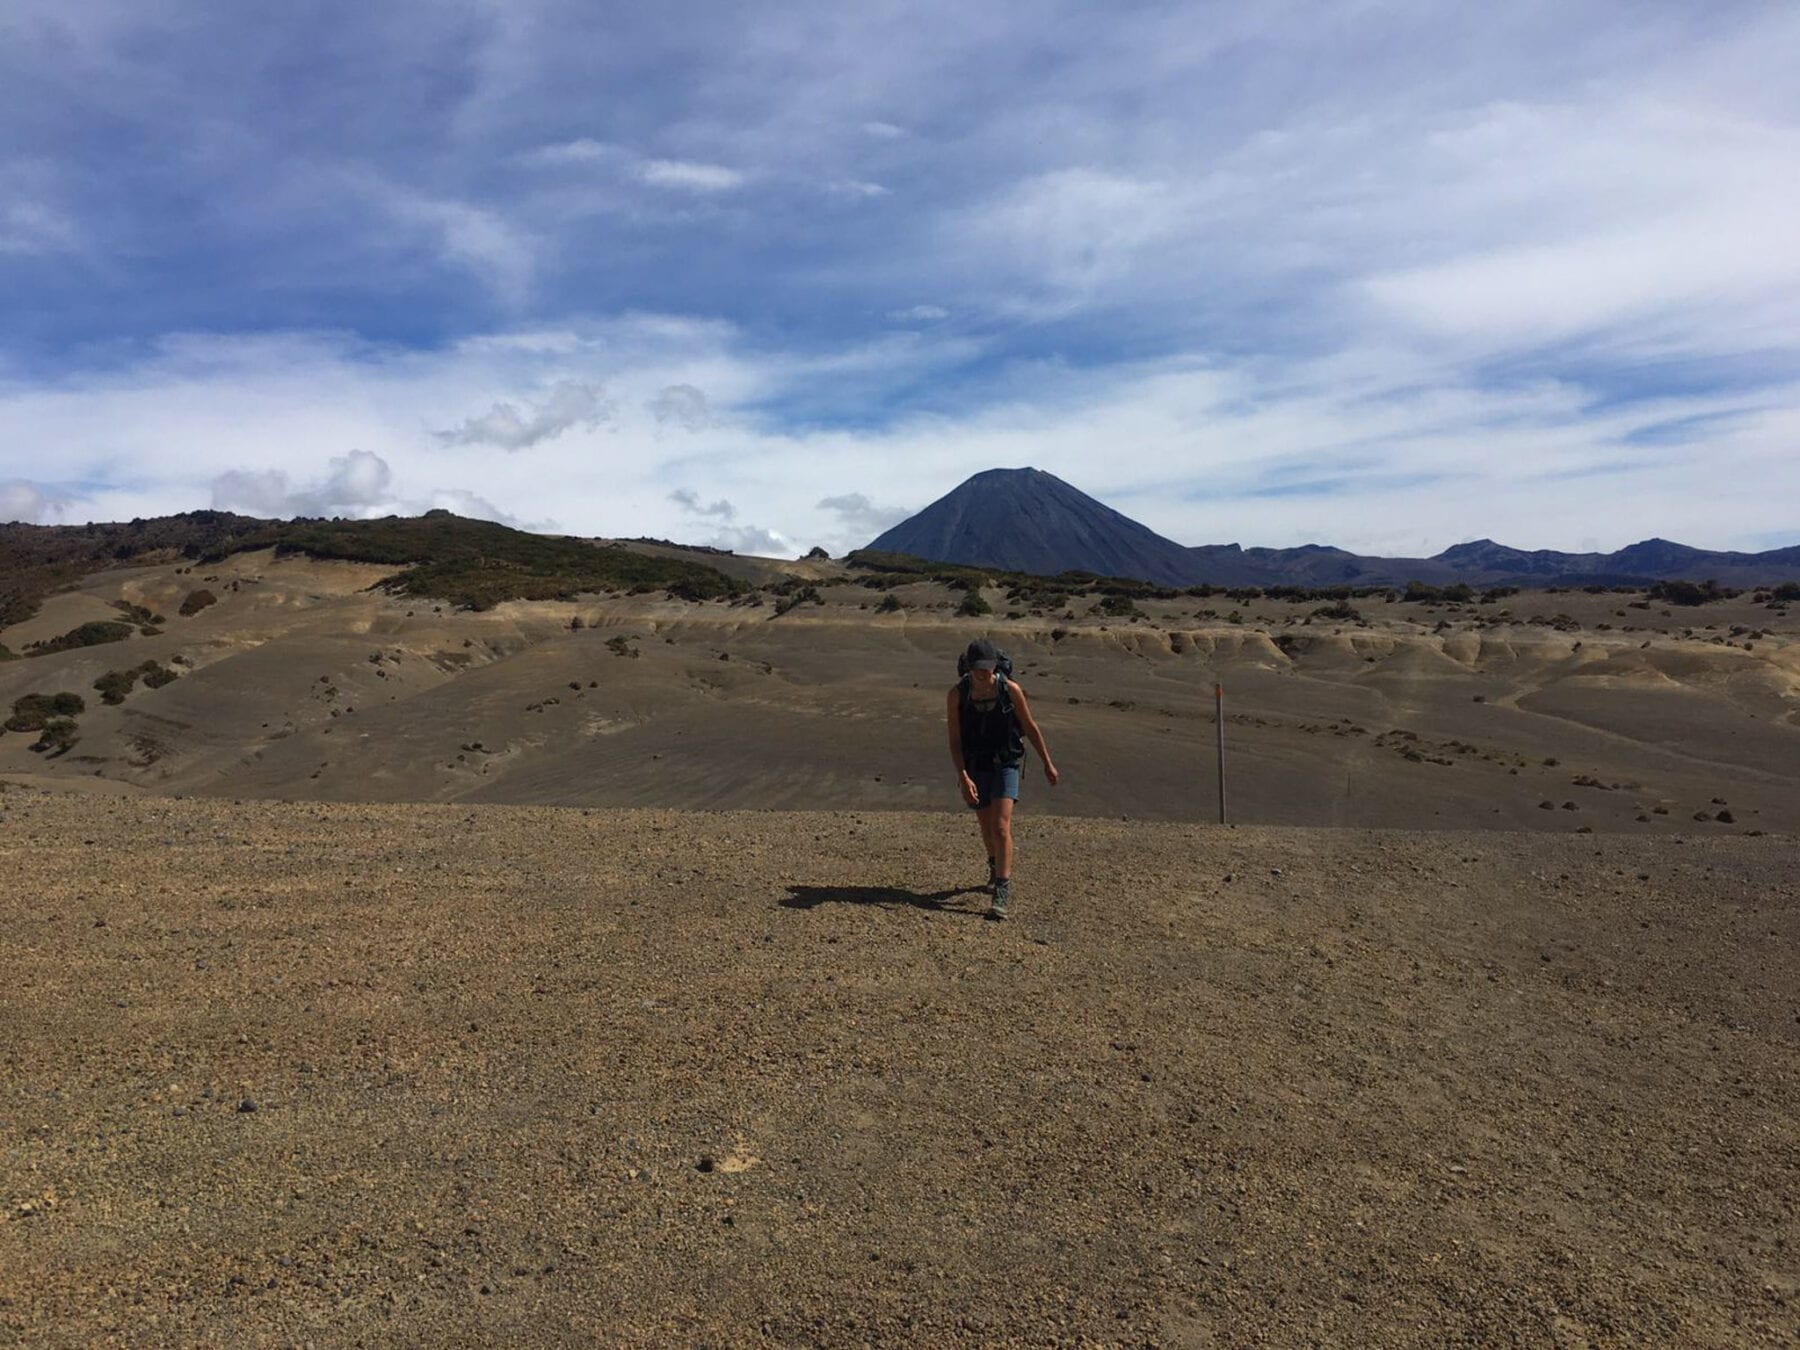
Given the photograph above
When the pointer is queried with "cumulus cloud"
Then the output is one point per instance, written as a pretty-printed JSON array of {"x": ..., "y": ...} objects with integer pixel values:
[
  {"x": 567, "y": 405},
  {"x": 357, "y": 485},
  {"x": 752, "y": 539},
  {"x": 26, "y": 504},
  {"x": 682, "y": 405},
  {"x": 689, "y": 500},
  {"x": 857, "y": 514},
  {"x": 689, "y": 175}
]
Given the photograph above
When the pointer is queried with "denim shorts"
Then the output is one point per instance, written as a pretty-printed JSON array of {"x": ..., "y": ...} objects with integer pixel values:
[{"x": 993, "y": 784}]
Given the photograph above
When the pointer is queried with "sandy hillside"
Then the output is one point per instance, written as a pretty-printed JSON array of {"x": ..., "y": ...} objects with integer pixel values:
[
  {"x": 331, "y": 1074},
  {"x": 1556, "y": 712}
]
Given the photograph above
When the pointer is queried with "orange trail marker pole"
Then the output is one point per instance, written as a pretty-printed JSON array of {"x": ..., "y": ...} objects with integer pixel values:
[{"x": 1219, "y": 720}]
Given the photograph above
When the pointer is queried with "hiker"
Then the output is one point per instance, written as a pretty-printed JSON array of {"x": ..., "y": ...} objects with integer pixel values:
[{"x": 988, "y": 716}]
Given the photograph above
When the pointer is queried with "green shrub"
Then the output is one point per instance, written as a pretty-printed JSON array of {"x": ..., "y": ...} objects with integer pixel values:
[
  {"x": 1119, "y": 606},
  {"x": 88, "y": 635},
  {"x": 973, "y": 606},
  {"x": 889, "y": 604},
  {"x": 1788, "y": 590},
  {"x": 116, "y": 684},
  {"x": 797, "y": 598},
  {"x": 34, "y": 711},
  {"x": 477, "y": 564},
  {"x": 197, "y": 601},
  {"x": 136, "y": 613},
  {"x": 1343, "y": 611},
  {"x": 6, "y": 654},
  {"x": 55, "y": 738},
  {"x": 1689, "y": 593}
]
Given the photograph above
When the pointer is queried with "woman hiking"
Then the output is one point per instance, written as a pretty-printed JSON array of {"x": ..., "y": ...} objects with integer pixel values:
[{"x": 989, "y": 721}]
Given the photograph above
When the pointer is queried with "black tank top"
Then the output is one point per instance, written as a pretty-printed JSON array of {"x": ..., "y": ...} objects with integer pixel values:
[{"x": 990, "y": 731}]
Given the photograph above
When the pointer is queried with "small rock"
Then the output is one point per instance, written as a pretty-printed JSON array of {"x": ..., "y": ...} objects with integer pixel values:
[{"x": 246, "y": 1106}]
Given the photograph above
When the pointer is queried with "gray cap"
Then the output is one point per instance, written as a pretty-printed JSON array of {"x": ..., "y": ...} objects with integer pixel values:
[{"x": 982, "y": 655}]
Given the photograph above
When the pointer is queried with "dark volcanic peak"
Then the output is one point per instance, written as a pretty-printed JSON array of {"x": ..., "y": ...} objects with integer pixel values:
[{"x": 1026, "y": 520}]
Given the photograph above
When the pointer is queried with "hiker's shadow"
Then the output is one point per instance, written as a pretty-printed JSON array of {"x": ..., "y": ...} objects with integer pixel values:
[{"x": 884, "y": 897}]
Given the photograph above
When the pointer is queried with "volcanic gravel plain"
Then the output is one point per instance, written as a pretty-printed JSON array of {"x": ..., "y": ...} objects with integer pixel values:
[{"x": 425, "y": 978}]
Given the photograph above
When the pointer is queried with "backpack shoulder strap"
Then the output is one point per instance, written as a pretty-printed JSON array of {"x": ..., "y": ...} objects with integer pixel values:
[{"x": 1003, "y": 693}]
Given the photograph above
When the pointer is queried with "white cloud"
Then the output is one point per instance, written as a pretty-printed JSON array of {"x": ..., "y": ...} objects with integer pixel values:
[
  {"x": 357, "y": 484},
  {"x": 682, "y": 405},
  {"x": 568, "y": 404},
  {"x": 856, "y": 514},
  {"x": 476, "y": 238},
  {"x": 919, "y": 314},
  {"x": 581, "y": 151},
  {"x": 690, "y": 176},
  {"x": 689, "y": 500},
  {"x": 1385, "y": 447},
  {"x": 28, "y": 505}
]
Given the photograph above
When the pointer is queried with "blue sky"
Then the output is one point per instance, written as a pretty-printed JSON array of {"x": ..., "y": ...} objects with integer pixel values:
[{"x": 1384, "y": 275}]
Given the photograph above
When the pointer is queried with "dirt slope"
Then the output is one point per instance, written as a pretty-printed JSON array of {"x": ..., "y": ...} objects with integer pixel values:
[
  {"x": 291, "y": 1073},
  {"x": 1547, "y": 712}
]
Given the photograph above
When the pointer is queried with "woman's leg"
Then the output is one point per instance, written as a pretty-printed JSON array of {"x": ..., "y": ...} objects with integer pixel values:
[
  {"x": 1001, "y": 850},
  {"x": 988, "y": 818}
]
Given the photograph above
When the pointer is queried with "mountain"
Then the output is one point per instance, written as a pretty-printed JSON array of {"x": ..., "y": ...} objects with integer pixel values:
[{"x": 1026, "y": 520}]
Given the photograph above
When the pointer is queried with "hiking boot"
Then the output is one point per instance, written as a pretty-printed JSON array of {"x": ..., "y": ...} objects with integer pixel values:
[{"x": 1002, "y": 894}]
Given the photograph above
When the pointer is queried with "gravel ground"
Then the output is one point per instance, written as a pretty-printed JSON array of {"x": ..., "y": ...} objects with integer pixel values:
[{"x": 295, "y": 1073}]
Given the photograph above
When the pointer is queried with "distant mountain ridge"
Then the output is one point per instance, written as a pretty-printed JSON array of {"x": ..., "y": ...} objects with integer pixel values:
[{"x": 1027, "y": 520}]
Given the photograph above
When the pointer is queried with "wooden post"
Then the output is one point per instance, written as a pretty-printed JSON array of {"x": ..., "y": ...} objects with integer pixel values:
[{"x": 1219, "y": 708}]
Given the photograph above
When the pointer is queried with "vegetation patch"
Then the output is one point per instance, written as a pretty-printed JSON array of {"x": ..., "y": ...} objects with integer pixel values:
[
  {"x": 1690, "y": 593},
  {"x": 795, "y": 598},
  {"x": 197, "y": 601},
  {"x": 57, "y": 737},
  {"x": 973, "y": 605},
  {"x": 34, "y": 711},
  {"x": 476, "y": 564},
  {"x": 138, "y": 614},
  {"x": 116, "y": 684},
  {"x": 88, "y": 635}
]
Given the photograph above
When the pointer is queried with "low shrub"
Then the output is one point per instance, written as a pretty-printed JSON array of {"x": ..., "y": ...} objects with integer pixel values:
[
  {"x": 57, "y": 736},
  {"x": 137, "y": 613},
  {"x": 88, "y": 635},
  {"x": 973, "y": 605},
  {"x": 1118, "y": 606},
  {"x": 116, "y": 684},
  {"x": 794, "y": 599},
  {"x": 197, "y": 601},
  {"x": 1689, "y": 593},
  {"x": 889, "y": 604},
  {"x": 34, "y": 711}
]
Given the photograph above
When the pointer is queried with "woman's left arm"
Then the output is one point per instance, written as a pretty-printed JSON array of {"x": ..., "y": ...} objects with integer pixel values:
[{"x": 1028, "y": 725}]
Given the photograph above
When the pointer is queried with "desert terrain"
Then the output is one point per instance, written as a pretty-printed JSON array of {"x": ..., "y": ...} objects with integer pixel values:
[
  {"x": 1541, "y": 711},
  {"x": 615, "y": 970},
  {"x": 317, "y": 1073}
]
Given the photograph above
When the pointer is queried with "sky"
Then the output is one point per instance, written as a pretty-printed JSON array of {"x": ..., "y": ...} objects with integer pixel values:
[{"x": 1385, "y": 274}]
